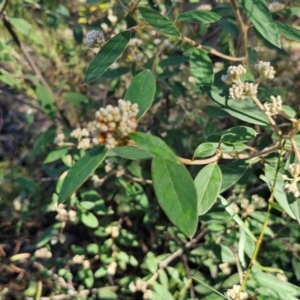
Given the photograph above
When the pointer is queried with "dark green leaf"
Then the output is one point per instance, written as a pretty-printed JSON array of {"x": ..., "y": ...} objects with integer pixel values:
[
  {"x": 205, "y": 150},
  {"x": 199, "y": 16},
  {"x": 78, "y": 34},
  {"x": 80, "y": 172},
  {"x": 238, "y": 135},
  {"x": 176, "y": 194},
  {"x": 208, "y": 183},
  {"x": 56, "y": 154},
  {"x": 173, "y": 61},
  {"x": 259, "y": 14},
  {"x": 232, "y": 173},
  {"x": 229, "y": 28},
  {"x": 294, "y": 204},
  {"x": 153, "y": 144},
  {"x": 158, "y": 22},
  {"x": 46, "y": 101},
  {"x": 289, "y": 31},
  {"x": 112, "y": 73},
  {"x": 134, "y": 153},
  {"x": 142, "y": 91},
  {"x": 201, "y": 68},
  {"x": 47, "y": 234},
  {"x": 107, "y": 55},
  {"x": 244, "y": 110}
]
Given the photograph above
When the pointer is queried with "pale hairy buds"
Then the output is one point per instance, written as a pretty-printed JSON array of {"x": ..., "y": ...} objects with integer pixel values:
[
  {"x": 233, "y": 74},
  {"x": 234, "y": 293},
  {"x": 273, "y": 108},
  {"x": 265, "y": 70},
  {"x": 94, "y": 39},
  {"x": 236, "y": 91},
  {"x": 291, "y": 187}
]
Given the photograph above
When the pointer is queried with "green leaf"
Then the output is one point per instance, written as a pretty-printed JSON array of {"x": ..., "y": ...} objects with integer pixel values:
[
  {"x": 173, "y": 61},
  {"x": 236, "y": 217},
  {"x": 176, "y": 194},
  {"x": 107, "y": 55},
  {"x": 56, "y": 154},
  {"x": 80, "y": 172},
  {"x": 158, "y": 22},
  {"x": 45, "y": 139},
  {"x": 88, "y": 219},
  {"x": 47, "y": 234},
  {"x": 153, "y": 144},
  {"x": 201, "y": 68},
  {"x": 91, "y": 2},
  {"x": 208, "y": 183},
  {"x": 46, "y": 101},
  {"x": 21, "y": 25},
  {"x": 199, "y": 16},
  {"x": 162, "y": 291},
  {"x": 78, "y": 99},
  {"x": 205, "y": 150},
  {"x": 142, "y": 91},
  {"x": 289, "y": 31},
  {"x": 244, "y": 110},
  {"x": 259, "y": 14},
  {"x": 131, "y": 152},
  {"x": 238, "y": 135},
  {"x": 232, "y": 173},
  {"x": 106, "y": 293},
  {"x": 294, "y": 204}
]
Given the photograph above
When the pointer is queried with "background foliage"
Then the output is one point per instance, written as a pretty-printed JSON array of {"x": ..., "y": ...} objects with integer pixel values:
[{"x": 100, "y": 231}]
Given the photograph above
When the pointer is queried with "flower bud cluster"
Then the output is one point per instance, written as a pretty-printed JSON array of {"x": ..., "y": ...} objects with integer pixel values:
[
  {"x": 240, "y": 90},
  {"x": 234, "y": 293},
  {"x": 59, "y": 139},
  {"x": 291, "y": 186},
  {"x": 112, "y": 268},
  {"x": 225, "y": 268},
  {"x": 233, "y": 74},
  {"x": 140, "y": 285},
  {"x": 63, "y": 215},
  {"x": 115, "y": 123},
  {"x": 43, "y": 253},
  {"x": 273, "y": 108},
  {"x": 265, "y": 70},
  {"x": 94, "y": 39},
  {"x": 113, "y": 231}
]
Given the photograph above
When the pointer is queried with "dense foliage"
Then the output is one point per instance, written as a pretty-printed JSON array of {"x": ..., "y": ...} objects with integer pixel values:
[{"x": 149, "y": 149}]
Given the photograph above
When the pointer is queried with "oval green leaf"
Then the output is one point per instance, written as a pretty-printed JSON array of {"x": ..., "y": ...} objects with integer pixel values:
[
  {"x": 244, "y": 110},
  {"x": 141, "y": 91},
  {"x": 176, "y": 194},
  {"x": 201, "y": 68},
  {"x": 259, "y": 14},
  {"x": 232, "y": 173},
  {"x": 46, "y": 101},
  {"x": 153, "y": 144},
  {"x": 205, "y": 150},
  {"x": 89, "y": 219},
  {"x": 289, "y": 31},
  {"x": 81, "y": 171},
  {"x": 199, "y": 16},
  {"x": 208, "y": 183},
  {"x": 238, "y": 135},
  {"x": 158, "y": 22},
  {"x": 107, "y": 55},
  {"x": 131, "y": 152},
  {"x": 56, "y": 154}
]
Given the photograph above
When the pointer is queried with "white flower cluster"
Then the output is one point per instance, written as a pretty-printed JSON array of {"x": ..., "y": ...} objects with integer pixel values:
[
  {"x": 59, "y": 139},
  {"x": 233, "y": 293},
  {"x": 80, "y": 260},
  {"x": 43, "y": 253},
  {"x": 57, "y": 237},
  {"x": 140, "y": 285},
  {"x": 63, "y": 215},
  {"x": 275, "y": 6},
  {"x": 233, "y": 74},
  {"x": 97, "y": 181},
  {"x": 265, "y": 70},
  {"x": 225, "y": 268},
  {"x": 294, "y": 170},
  {"x": 273, "y": 108},
  {"x": 113, "y": 231},
  {"x": 111, "y": 127},
  {"x": 94, "y": 39},
  {"x": 115, "y": 123},
  {"x": 240, "y": 90},
  {"x": 112, "y": 268},
  {"x": 165, "y": 43}
]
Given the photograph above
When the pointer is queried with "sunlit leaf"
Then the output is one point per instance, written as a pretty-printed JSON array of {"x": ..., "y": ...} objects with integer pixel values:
[
  {"x": 199, "y": 16},
  {"x": 208, "y": 183},
  {"x": 131, "y": 152},
  {"x": 142, "y": 91},
  {"x": 81, "y": 171},
  {"x": 176, "y": 194},
  {"x": 158, "y": 22}
]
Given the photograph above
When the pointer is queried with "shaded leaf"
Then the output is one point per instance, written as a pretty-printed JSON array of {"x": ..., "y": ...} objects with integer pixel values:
[
  {"x": 80, "y": 172},
  {"x": 176, "y": 194},
  {"x": 56, "y": 154},
  {"x": 158, "y": 22},
  {"x": 259, "y": 14},
  {"x": 244, "y": 110},
  {"x": 208, "y": 183},
  {"x": 142, "y": 91},
  {"x": 201, "y": 68},
  {"x": 238, "y": 135},
  {"x": 107, "y": 55},
  {"x": 131, "y": 152},
  {"x": 46, "y": 101},
  {"x": 205, "y": 150},
  {"x": 289, "y": 31},
  {"x": 199, "y": 16}
]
